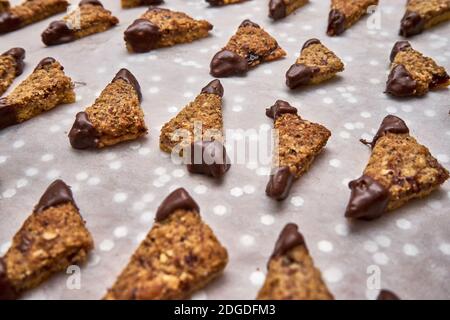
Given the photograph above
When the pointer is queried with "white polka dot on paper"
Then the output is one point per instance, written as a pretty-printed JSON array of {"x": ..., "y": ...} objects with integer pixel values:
[
  {"x": 236, "y": 192},
  {"x": 144, "y": 151},
  {"x": 188, "y": 94},
  {"x": 374, "y": 81},
  {"x": 257, "y": 278},
  {"x": 365, "y": 114},
  {"x": 120, "y": 197},
  {"x": 93, "y": 181},
  {"x": 3, "y": 159},
  {"x": 328, "y": 100},
  {"x": 81, "y": 176},
  {"x": 237, "y": 108},
  {"x": 403, "y": 224},
  {"x": 148, "y": 197},
  {"x": 21, "y": 183},
  {"x": 391, "y": 109},
  {"x": 297, "y": 201},
  {"x": 5, "y": 247},
  {"x": 374, "y": 62},
  {"x": 429, "y": 113},
  {"x": 147, "y": 216},
  {"x": 435, "y": 204},
  {"x": 344, "y": 134},
  {"x": 53, "y": 174},
  {"x": 199, "y": 295},
  {"x": 54, "y": 128},
  {"x": 9, "y": 193},
  {"x": 383, "y": 241},
  {"x": 120, "y": 232},
  {"x": 159, "y": 171},
  {"x": 267, "y": 219},
  {"x": 263, "y": 171},
  {"x": 349, "y": 126},
  {"x": 268, "y": 71},
  {"x": 178, "y": 173},
  {"x": 247, "y": 240},
  {"x": 346, "y": 181},
  {"x": 47, "y": 157},
  {"x": 380, "y": 258},
  {"x": 407, "y": 108},
  {"x": 342, "y": 229},
  {"x": 18, "y": 144},
  {"x": 220, "y": 210},
  {"x": 325, "y": 246},
  {"x": 335, "y": 163},
  {"x": 116, "y": 165},
  {"x": 249, "y": 189},
  {"x": 333, "y": 275},
  {"x": 30, "y": 172},
  {"x": 110, "y": 156},
  {"x": 140, "y": 237},
  {"x": 370, "y": 246},
  {"x": 410, "y": 250},
  {"x": 106, "y": 245},
  {"x": 172, "y": 109},
  {"x": 138, "y": 206},
  {"x": 201, "y": 189},
  {"x": 442, "y": 158},
  {"x": 445, "y": 248}
]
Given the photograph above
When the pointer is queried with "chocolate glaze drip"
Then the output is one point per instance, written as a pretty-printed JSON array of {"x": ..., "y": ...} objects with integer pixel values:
[
  {"x": 8, "y": 115},
  {"x": 300, "y": 74},
  {"x": 7, "y": 291},
  {"x": 57, "y": 193},
  {"x": 336, "y": 23},
  {"x": 91, "y": 2},
  {"x": 142, "y": 35},
  {"x": 411, "y": 24},
  {"x": 391, "y": 124},
  {"x": 58, "y": 32},
  {"x": 226, "y": 63},
  {"x": 214, "y": 87},
  {"x": 19, "y": 55},
  {"x": 249, "y": 23},
  {"x": 289, "y": 238},
  {"x": 178, "y": 199},
  {"x": 209, "y": 158},
  {"x": 280, "y": 183},
  {"x": 9, "y": 22},
  {"x": 400, "y": 82},
  {"x": 310, "y": 42},
  {"x": 387, "y": 295},
  {"x": 279, "y": 108},
  {"x": 45, "y": 62},
  {"x": 277, "y": 9},
  {"x": 83, "y": 135},
  {"x": 127, "y": 76},
  {"x": 399, "y": 46},
  {"x": 368, "y": 199}
]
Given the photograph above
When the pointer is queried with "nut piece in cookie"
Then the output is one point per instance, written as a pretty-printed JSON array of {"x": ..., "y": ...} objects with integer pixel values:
[
  {"x": 423, "y": 14},
  {"x": 29, "y": 12},
  {"x": 179, "y": 256},
  {"x": 115, "y": 116},
  {"x": 46, "y": 88},
  {"x": 137, "y": 3},
  {"x": 291, "y": 272},
  {"x": 196, "y": 132},
  {"x": 89, "y": 18},
  {"x": 345, "y": 13},
  {"x": 11, "y": 66},
  {"x": 249, "y": 47},
  {"x": 279, "y": 9},
  {"x": 315, "y": 64},
  {"x": 51, "y": 239},
  {"x": 413, "y": 74},
  {"x": 299, "y": 142},
  {"x": 160, "y": 27},
  {"x": 399, "y": 170}
]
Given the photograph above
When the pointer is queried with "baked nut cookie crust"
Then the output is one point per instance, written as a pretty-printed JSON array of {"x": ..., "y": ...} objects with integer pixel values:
[
  {"x": 345, "y": 13},
  {"x": 413, "y": 74},
  {"x": 30, "y": 11},
  {"x": 399, "y": 170},
  {"x": 88, "y": 19},
  {"x": 46, "y": 88},
  {"x": 249, "y": 47},
  {"x": 279, "y": 9},
  {"x": 315, "y": 64},
  {"x": 291, "y": 271},
  {"x": 52, "y": 238},
  {"x": 115, "y": 116},
  {"x": 179, "y": 256},
  {"x": 299, "y": 142},
  {"x": 4, "y": 5},
  {"x": 137, "y": 3},
  {"x": 160, "y": 27},
  {"x": 423, "y": 14},
  {"x": 11, "y": 66}
]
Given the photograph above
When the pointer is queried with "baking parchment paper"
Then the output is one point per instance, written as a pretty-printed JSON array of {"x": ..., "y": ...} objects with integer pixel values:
[{"x": 118, "y": 189}]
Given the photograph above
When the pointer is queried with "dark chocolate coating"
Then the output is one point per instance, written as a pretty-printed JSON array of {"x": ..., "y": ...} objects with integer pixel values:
[
  {"x": 142, "y": 35},
  {"x": 215, "y": 3},
  {"x": 391, "y": 124},
  {"x": 45, "y": 62},
  {"x": 83, "y": 135},
  {"x": 412, "y": 23},
  {"x": 9, "y": 22},
  {"x": 277, "y": 9},
  {"x": 399, "y": 46},
  {"x": 127, "y": 76},
  {"x": 387, "y": 295},
  {"x": 400, "y": 82},
  {"x": 57, "y": 193},
  {"x": 214, "y": 87},
  {"x": 58, "y": 32},
  {"x": 91, "y": 2},
  {"x": 310, "y": 42},
  {"x": 19, "y": 55},
  {"x": 178, "y": 199},
  {"x": 8, "y": 115},
  {"x": 249, "y": 23},
  {"x": 226, "y": 63},
  {"x": 208, "y": 158},
  {"x": 336, "y": 23},
  {"x": 280, "y": 183},
  {"x": 289, "y": 238},
  {"x": 279, "y": 108},
  {"x": 300, "y": 74}
]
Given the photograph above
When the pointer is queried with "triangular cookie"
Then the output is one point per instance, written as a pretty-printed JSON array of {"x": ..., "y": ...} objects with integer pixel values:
[
  {"x": 399, "y": 170},
  {"x": 299, "y": 142},
  {"x": 291, "y": 272},
  {"x": 46, "y": 88},
  {"x": 249, "y": 47},
  {"x": 198, "y": 130},
  {"x": 29, "y": 12},
  {"x": 53, "y": 238},
  {"x": 423, "y": 14},
  {"x": 179, "y": 256},
  {"x": 137, "y": 3},
  {"x": 11, "y": 66},
  {"x": 345, "y": 13},
  {"x": 413, "y": 74},
  {"x": 279, "y": 9},
  {"x": 88, "y": 19},
  {"x": 316, "y": 64},
  {"x": 160, "y": 27},
  {"x": 115, "y": 116}
]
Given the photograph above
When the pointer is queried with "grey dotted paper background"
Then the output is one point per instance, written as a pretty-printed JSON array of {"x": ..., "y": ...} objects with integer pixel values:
[{"x": 118, "y": 189}]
